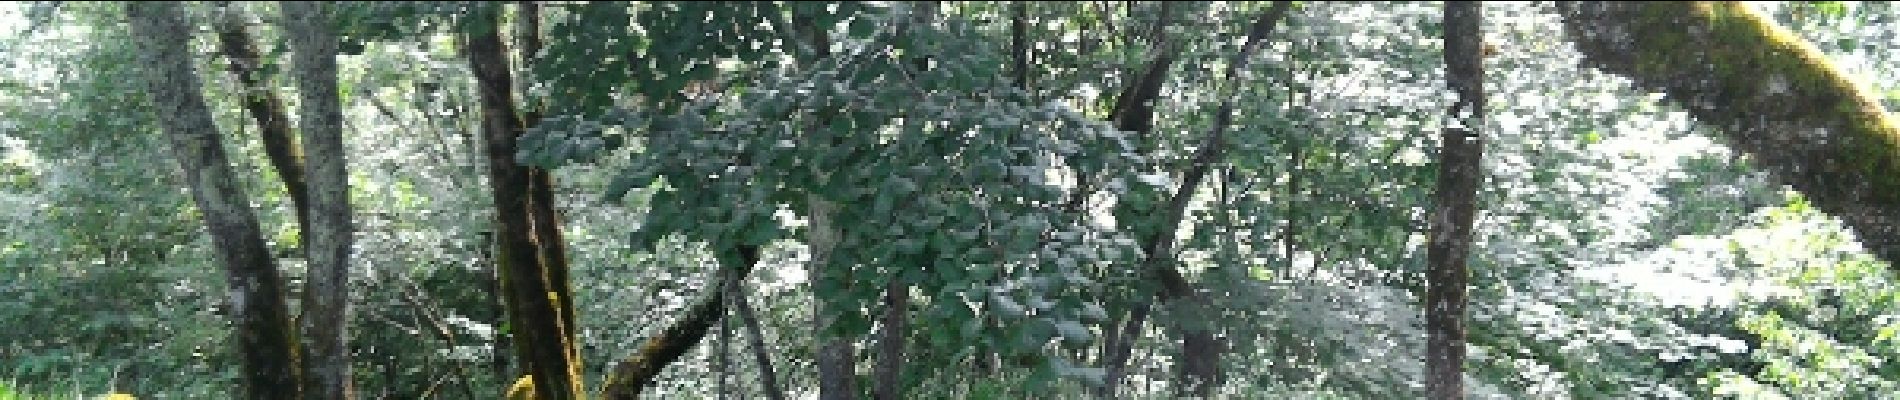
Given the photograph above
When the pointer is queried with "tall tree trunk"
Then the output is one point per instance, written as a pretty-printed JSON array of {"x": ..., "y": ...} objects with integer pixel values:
[
  {"x": 265, "y": 342},
  {"x": 1019, "y": 42},
  {"x": 547, "y": 223},
  {"x": 267, "y": 108},
  {"x": 535, "y": 304},
  {"x": 1134, "y": 112},
  {"x": 1771, "y": 95},
  {"x": 326, "y": 363},
  {"x": 1455, "y": 203}
]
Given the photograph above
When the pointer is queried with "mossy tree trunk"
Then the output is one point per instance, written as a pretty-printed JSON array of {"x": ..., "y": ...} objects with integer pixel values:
[
  {"x": 266, "y": 107},
  {"x": 1771, "y": 94},
  {"x": 266, "y": 345},
  {"x": 1454, "y": 203},
  {"x": 537, "y": 305},
  {"x": 634, "y": 375},
  {"x": 326, "y": 361}
]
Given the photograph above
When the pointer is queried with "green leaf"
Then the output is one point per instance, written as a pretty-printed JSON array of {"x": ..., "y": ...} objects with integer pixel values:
[
  {"x": 1074, "y": 332},
  {"x": 1008, "y": 306},
  {"x": 1093, "y": 312}
]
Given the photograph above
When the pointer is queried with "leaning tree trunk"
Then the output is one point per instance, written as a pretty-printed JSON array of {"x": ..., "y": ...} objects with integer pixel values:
[
  {"x": 265, "y": 343},
  {"x": 267, "y": 108},
  {"x": 632, "y": 376},
  {"x": 1771, "y": 94},
  {"x": 536, "y": 307},
  {"x": 1454, "y": 203},
  {"x": 1199, "y": 362},
  {"x": 326, "y": 364}
]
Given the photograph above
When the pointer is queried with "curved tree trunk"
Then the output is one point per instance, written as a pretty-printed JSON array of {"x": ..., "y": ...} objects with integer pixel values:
[
  {"x": 1454, "y": 203},
  {"x": 266, "y": 346},
  {"x": 326, "y": 364},
  {"x": 1771, "y": 94}
]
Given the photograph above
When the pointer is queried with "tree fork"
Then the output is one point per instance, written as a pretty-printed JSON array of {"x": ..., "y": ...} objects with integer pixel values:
[{"x": 265, "y": 342}]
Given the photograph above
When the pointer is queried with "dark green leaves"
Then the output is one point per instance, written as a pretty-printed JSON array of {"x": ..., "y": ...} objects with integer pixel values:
[{"x": 561, "y": 140}]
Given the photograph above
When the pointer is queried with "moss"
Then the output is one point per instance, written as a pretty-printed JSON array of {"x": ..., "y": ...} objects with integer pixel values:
[
  {"x": 523, "y": 389},
  {"x": 1771, "y": 93},
  {"x": 1755, "y": 59}
]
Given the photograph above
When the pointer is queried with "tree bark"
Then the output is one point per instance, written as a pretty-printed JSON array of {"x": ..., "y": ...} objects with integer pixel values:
[
  {"x": 1455, "y": 203},
  {"x": 1771, "y": 94},
  {"x": 1134, "y": 112},
  {"x": 1019, "y": 42},
  {"x": 837, "y": 369},
  {"x": 326, "y": 363},
  {"x": 536, "y": 304},
  {"x": 890, "y": 361},
  {"x": 265, "y": 342},
  {"x": 836, "y": 356},
  {"x": 547, "y": 223}
]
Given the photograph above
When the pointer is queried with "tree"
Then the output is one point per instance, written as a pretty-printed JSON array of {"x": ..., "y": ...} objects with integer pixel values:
[
  {"x": 1770, "y": 93},
  {"x": 264, "y": 339},
  {"x": 1455, "y": 204},
  {"x": 1031, "y": 199},
  {"x": 326, "y": 304},
  {"x": 530, "y": 254}
]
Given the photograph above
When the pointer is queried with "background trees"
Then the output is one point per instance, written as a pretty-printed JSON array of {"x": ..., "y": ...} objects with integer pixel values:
[{"x": 925, "y": 199}]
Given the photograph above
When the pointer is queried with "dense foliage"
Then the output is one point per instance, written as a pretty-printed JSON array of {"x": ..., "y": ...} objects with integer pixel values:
[{"x": 977, "y": 197}]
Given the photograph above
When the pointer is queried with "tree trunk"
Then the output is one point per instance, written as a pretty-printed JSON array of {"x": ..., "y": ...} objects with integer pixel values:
[
  {"x": 890, "y": 358},
  {"x": 836, "y": 356},
  {"x": 1455, "y": 203},
  {"x": 264, "y": 340},
  {"x": 264, "y": 105},
  {"x": 1200, "y": 349},
  {"x": 1134, "y": 112},
  {"x": 837, "y": 369},
  {"x": 1019, "y": 42},
  {"x": 547, "y": 223},
  {"x": 1771, "y": 94},
  {"x": 535, "y": 302},
  {"x": 326, "y": 363}
]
